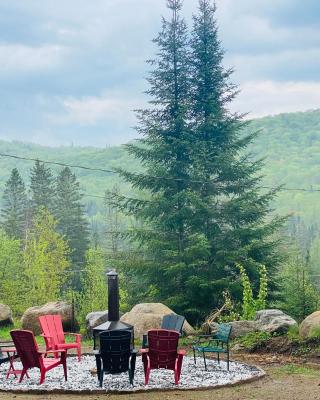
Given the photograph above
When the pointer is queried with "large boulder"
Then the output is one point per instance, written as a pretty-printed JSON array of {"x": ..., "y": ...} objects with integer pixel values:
[
  {"x": 5, "y": 315},
  {"x": 147, "y": 316},
  {"x": 30, "y": 318},
  {"x": 96, "y": 318},
  {"x": 242, "y": 328},
  {"x": 310, "y": 323},
  {"x": 273, "y": 320}
]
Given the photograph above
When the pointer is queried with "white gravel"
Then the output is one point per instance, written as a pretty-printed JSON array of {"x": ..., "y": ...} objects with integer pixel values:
[{"x": 80, "y": 377}]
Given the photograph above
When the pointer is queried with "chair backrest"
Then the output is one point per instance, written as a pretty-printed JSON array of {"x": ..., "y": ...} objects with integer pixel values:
[
  {"x": 51, "y": 325},
  {"x": 27, "y": 348},
  {"x": 223, "y": 333},
  {"x": 115, "y": 350},
  {"x": 163, "y": 346},
  {"x": 173, "y": 322}
]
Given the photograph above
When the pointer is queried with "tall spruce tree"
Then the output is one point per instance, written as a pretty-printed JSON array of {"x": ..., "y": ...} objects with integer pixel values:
[
  {"x": 42, "y": 187},
  {"x": 205, "y": 212},
  {"x": 72, "y": 223},
  {"x": 14, "y": 210},
  {"x": 232, "y": 212}
]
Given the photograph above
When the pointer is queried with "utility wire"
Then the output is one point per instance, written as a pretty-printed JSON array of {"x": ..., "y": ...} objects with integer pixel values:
[{"x": 110, "y": 171}]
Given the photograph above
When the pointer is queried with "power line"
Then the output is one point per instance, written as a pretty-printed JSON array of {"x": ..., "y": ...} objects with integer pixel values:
[{"x": 109, "y": 171}]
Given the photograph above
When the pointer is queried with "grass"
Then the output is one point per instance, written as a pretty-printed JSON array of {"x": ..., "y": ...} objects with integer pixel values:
[{"x": 292, "y": 369}]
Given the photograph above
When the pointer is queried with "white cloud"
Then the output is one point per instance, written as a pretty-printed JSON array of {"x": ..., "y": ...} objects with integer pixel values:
[
  {"x": 18, "y": 57},
  {"x": 261, "y": 98},
  {"x": 91, "y": 110}
]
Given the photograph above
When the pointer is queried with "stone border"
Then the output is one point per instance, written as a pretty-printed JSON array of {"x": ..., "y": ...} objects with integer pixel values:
[{"x": 39, "y": 392}]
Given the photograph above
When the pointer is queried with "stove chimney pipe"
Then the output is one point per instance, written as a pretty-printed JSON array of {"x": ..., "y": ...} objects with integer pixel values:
[{"x": 113, "y": 296}]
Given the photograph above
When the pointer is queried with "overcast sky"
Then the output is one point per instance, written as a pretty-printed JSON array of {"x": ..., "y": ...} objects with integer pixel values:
[{"x": 72, "y": 71}]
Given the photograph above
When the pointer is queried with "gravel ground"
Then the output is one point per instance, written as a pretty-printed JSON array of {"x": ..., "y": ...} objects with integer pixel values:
[{"x": 81, "y": 379}]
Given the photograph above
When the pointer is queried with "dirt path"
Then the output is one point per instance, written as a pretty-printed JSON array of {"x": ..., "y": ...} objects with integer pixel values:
[{"x": 279, "y": 384}]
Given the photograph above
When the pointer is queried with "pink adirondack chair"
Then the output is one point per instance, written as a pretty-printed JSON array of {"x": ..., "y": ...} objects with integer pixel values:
[
  {"x": 31, "y": 357},
  {"x": 162, "y": 353},
  {"x": 52, "y": 331}
]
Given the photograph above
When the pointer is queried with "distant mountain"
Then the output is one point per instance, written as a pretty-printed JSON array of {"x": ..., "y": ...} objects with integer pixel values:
[{"x": 290, "y": 144}]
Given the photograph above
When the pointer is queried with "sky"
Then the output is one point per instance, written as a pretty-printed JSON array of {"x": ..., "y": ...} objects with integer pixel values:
[{"x": 73, "y": 71}]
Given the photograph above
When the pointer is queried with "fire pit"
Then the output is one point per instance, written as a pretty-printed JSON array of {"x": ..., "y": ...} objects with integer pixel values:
[{"x": 113, "y": 322}]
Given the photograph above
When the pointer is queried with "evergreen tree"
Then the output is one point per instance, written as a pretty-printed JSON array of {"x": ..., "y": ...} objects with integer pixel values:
[
  {"x": 14, "y": 211},
  {"x": 205, "y": 212},
  {"x": 42, "y": 187},
  {"x": 172, "y": 248},
  {"x": 71, "y": 219},
  {"x": 232, "y": 212}
]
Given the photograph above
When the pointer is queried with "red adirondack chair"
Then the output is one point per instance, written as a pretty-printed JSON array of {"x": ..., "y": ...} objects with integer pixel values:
[
  {"x": 52, "y": 331},
  {"x": 162, "y": 353},
  {"x": 31, "y": 357}
]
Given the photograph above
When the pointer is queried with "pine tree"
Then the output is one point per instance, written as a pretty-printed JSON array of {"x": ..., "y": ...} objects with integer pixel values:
[
  {"x": 204, "y": 213},
  {"x": 14, "y": 211},
  {"x": 163, "y": 219},
  {"x": 232, "y": 213},
  {"x": 42, "y": 187},
  {"x": 71, "y": 219}
]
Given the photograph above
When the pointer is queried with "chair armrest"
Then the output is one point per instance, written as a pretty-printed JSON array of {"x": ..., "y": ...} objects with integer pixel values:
[
  {"x": 72, "y": 334},
  {"x": 52, "y": 351},
  {"x": 45, "y": 336},
  {"x": 134, "y": 351},
  {"x": 96, "y": 352},
  {"x": 144, "y": 351},
  {"x": 181, "y": 352}
]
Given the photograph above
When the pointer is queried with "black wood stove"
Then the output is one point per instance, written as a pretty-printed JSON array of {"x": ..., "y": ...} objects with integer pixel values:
[{"x": 113, "y": 322}]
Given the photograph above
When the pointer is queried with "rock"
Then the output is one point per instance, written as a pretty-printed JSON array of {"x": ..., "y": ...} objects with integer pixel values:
[
  {"x": 241, "y": 328},
  {"x": 147, "y": 316},
  {"x": 5, "y": 315},
  {"x": 238, "y": 348},
  {"x": 273, "y": 320},
  {"x": 30, "y": 317},
  {"x": 310, "y": 323},
  {"x": 94, "y": 319}
]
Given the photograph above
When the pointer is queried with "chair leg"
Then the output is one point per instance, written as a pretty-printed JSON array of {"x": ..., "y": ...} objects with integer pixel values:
[
  {"x": 42, "y": 376},
  {"x": 101, "y": 377},
  {"x": 147, "y": 376},
  {"x": 64, "y": 364},
  {"x": 228, "y": 361},
  {"x": 130, "y": 376},
  {"x": 218, "y": 358},
  {"x": 23, "y": 373},
  {"x": 194, "y": 357},
  {"x": 79, "y": 353},
  {"x": 204, "y": 359}
]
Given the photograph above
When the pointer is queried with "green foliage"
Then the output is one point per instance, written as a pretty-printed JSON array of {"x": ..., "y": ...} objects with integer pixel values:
[
  {"x": 11, "y": 272},
  {"x": 93, "y": 282},
  {"x": 203, "y": 211},
  {"x": 71, "y": 222},
  {"x": 45, "y": 260},
  {"x": 254, "y": 340},
  {"x": 42, "y": 187},
  {"x": 250, "y": 305},
  {"x": 14, "y": 211},
  {"x": 299, "y": 296}
]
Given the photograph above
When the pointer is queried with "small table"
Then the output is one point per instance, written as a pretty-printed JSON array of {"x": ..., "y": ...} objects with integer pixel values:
[{"x": 12, "y": 354}]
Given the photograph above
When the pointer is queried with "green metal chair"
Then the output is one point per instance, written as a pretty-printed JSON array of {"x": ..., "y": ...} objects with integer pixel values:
[{"x": 217, "y": 342}]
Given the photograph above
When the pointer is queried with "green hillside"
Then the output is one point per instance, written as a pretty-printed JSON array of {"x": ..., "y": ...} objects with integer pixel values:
[{"x": 290, "y": 144}]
